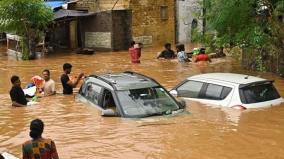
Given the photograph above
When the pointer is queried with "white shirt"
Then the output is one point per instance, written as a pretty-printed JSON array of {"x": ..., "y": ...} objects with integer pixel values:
[
  {"x": 182, "y": 56},
  {"x": 48, "y": 87}
]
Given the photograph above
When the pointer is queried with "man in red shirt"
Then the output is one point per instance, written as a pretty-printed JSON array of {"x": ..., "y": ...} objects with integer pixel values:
[{"x": 201, "y": 57}]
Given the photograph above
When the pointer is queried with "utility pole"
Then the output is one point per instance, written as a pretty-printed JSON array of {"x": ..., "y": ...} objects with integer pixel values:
[{"x": 204, "y": 17}]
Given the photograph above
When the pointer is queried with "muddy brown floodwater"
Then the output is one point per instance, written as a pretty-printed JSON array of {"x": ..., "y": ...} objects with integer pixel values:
[{"x": 80, "y": 132}]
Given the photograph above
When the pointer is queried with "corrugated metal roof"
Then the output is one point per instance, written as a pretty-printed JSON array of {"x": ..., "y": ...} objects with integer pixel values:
[
  {"x": 54, "y": 4},
  {"x": 70, "y": 13}
]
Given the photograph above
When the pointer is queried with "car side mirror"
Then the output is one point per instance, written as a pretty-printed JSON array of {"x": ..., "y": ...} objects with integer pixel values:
[
  {"x": 108, "y": 113},
  {"x": 174, "y": 92},
  {"x": 182, "y": 104}
]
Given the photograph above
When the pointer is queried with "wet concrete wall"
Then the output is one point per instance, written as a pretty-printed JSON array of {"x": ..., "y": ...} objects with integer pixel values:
[
  {"x": 186, "y": 19},
  {"x": 153, "y": 22}
]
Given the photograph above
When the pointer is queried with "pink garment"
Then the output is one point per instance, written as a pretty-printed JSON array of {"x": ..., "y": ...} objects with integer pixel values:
[{"x": 135, "y": 54}]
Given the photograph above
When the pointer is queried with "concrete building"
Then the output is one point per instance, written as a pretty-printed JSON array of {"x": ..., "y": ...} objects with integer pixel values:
[
  {"x": 151, "y": 22},
  {"x": 117, "y": 22},
  {"x": 186, "y": 13}
]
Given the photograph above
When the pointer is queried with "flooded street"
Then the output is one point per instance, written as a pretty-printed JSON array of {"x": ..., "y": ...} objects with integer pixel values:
[{"x": 80, "y": 132}]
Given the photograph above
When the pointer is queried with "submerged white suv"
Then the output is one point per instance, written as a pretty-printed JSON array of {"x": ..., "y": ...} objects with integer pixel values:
[{"x": 229, "y": 90}]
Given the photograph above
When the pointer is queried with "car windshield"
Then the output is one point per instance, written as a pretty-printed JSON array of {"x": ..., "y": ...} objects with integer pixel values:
[
  {"x": 146, "y": 102},
  {"x": 258, "y": 93}
]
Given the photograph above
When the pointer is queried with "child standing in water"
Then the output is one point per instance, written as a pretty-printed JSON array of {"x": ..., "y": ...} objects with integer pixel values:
[{"x": 135, "y": 52}]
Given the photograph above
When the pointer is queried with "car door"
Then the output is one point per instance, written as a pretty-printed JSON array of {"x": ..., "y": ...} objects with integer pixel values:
[
  {"x": 108, "y": 100},
  {"x": 190, "y": 89},
  {"x": 216, "y": 94},
  {"x": 205, "y": 92},
  {"x": 93, "y": 94}
]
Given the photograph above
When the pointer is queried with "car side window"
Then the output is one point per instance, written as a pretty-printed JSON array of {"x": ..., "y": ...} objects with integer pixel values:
[
  {"x": 93, "y": 92},
  {"x": 108, "y": 100},
  {"x": 190, "y": 89},
  {"x": 82, "y": 90},
  {"x": 226, "y": 91},
  {"x": 217, "y": 92}
]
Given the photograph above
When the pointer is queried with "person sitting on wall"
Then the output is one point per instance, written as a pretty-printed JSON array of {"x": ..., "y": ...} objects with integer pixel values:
[
  {"x": 201, "y": 57},
  {"x": 168, "y": 53},
  {"x": 17, "y": 94},
  {"x": 135, "y": 52}
]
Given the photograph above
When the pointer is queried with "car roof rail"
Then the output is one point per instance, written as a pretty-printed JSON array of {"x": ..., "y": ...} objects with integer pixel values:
[
  {"x": 132, "y": 73},
  {"x": 106, "y": 81}
]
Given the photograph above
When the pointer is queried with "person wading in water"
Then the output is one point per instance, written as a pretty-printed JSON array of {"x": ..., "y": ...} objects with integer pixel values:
[
  {"x": 39, "y": 147},
  {"x": 17, "y": 94},
  {"x": 68, "y": 84}
]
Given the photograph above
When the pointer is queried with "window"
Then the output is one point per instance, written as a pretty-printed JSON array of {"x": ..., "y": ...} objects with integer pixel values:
[
  {"x": 194, "y": 24},
  {"x": 258, "y": 93},
  {"x": 190, "y": 89},
  {"x": 225, "y": 92},
  {"x": 108, "y": 100},
  {"x": 82, "y": 90},
  {"x": 145, "y": 102},
  {"x": 164, "y": 12},
  {"x": 217, "y": 92},
  {"x": 93, "y": 92}
]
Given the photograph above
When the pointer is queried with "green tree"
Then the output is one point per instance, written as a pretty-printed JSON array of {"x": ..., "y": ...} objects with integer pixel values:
[
  {"x": 26, "y": 18},
  {"x": 257, "y": 24}
]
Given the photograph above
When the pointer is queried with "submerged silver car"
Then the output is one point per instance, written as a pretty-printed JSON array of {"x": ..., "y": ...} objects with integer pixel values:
[{"x": 128, "y": 94}]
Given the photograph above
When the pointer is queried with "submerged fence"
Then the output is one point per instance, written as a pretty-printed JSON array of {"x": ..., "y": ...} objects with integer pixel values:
[{"x": 254, "y": 60}]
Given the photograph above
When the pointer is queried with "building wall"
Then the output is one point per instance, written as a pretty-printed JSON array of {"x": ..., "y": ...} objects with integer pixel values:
[
  {"x": 147, "y": 25},
  {"x": 102, "y": 5},
  {"x": 73, "y": 34},
  {"x": 60, "y": 35},
  {"x": 121, "y": 29},
  {"x": 186, "y": 12},
  {"x": 107, "y": 30},
  {"x": 96, "y": 31}
]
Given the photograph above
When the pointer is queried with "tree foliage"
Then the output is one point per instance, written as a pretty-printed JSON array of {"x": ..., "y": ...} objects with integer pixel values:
[
  {"x": 26, "y": 18},
  {"x": 257, "y": 24}
]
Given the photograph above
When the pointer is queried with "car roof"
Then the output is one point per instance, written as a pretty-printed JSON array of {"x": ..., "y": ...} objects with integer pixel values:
[
  {"x": 228, "y": 77},
  {"x": 127, "y": 80}
]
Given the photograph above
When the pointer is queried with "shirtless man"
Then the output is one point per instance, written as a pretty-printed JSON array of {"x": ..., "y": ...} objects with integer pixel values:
[{"x": 48, "y": 85}]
